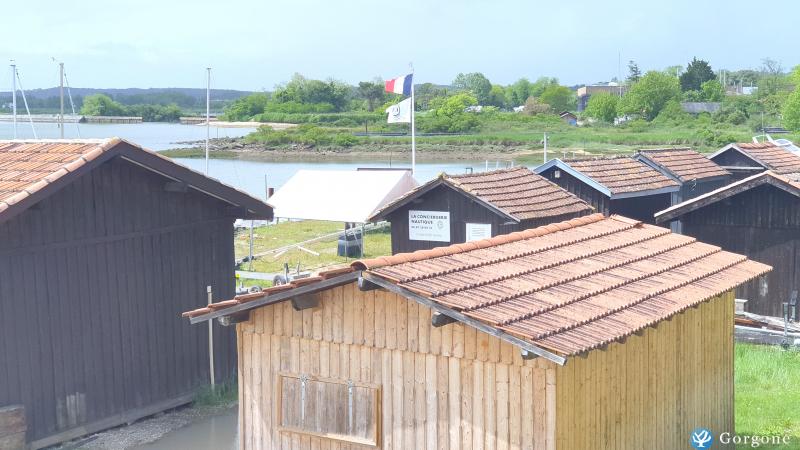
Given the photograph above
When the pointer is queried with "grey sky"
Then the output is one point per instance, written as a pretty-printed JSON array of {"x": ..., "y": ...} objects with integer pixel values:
[{"x": 256, "y": 44}]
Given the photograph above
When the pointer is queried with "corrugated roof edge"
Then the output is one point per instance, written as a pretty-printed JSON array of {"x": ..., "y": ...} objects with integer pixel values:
[{"x": 419, "y": 255}]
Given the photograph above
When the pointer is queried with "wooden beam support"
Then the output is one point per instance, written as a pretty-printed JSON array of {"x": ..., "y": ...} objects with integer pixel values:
[
  {"x": 365, "y": 285},
  {"x": 233, "y": 319},
  {"x": 478, "y": 325},
  {"x": 305, "y": 301},
  {"x": 439, "y": 320},
  {"x": 176, "y": 186}
]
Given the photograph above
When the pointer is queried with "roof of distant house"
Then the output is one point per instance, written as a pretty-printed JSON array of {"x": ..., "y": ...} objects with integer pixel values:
[
  {"x": 616, "y": 177},
  {"x": 33, "y": 169},
  {"x": 516, "y": 193},
  {"x": 683, "y": 164},
  {"x": 564, "y": 288},
  {"x": 766, "y": 155}
]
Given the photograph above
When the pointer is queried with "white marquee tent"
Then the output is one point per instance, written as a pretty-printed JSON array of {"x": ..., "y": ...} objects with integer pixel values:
[{"x": 339, "y": 195}]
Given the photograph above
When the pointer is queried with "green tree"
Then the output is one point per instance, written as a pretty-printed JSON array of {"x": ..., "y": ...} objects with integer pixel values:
[
  {"x": 534, "y": 107},
  {"x": 101, "y": 105},
  {"x": 791, "y": 111},
  {"x": 497, "y": 96},
  {"x": 425, "y": 93},
  {"x": 518, "y": 93},
  {"x": 674, "y": 71},
  {"x": 795, "y": 76},
  {"x": 650, "y": 94},
  {"x": 539, "y": 86},
  {"x": 449, "y": 114},
  {"x": 303, "y": 90},
  {"x": 697, "y": 72},
  {"x": 244, "y": 108},
  {"x": 373, "y": 92},
  {"x": 712, "y": 91},
  {"x": 475, "y": 82},
  {"x": 560, "y": 98},
  {"x": 634, "y": 74},
  {"x": 603, "y": 107}
]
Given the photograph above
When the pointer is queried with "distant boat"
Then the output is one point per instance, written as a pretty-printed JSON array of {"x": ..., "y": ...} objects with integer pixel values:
[{"x": 785, "y": 143}]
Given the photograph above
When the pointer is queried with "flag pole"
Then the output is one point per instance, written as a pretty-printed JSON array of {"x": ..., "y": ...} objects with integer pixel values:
[{"x": 413, "y": 130}]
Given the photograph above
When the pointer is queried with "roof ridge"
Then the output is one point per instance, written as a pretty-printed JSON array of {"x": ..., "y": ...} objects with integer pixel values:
[
  {"x": 485, "y": 172},
  {"x": 419, "y": 255}
]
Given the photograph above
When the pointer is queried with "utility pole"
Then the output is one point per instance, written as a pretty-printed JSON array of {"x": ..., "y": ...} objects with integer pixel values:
[
  {"x": 208, "y": 113},
  {"x": 14, "y": 96},
  {"x": 61, "y": 93}
]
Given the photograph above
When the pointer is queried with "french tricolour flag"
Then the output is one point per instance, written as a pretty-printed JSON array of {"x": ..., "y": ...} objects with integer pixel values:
[{"x": 400, "y": 85}]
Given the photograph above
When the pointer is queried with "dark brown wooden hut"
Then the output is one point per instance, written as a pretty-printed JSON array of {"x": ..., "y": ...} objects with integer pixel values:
[
  {"x": 102, "y": 245},
  {"x": 452, "y": 209},
  {"x": 758, "y": 217},
  {"x": 616, "y": 185},
  {"x": 749, "y": 158}
]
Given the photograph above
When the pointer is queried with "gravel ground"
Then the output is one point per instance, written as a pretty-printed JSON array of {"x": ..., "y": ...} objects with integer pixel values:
[{"x": 146, "y": 430}]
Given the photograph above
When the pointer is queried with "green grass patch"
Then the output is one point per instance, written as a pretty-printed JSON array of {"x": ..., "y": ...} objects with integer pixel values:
[
  {"x": 376, "y": 243},
  {"x": 767, "y": 391},
  {"x": 222, "y": 394},
  {"x": 198, "y": 153}
]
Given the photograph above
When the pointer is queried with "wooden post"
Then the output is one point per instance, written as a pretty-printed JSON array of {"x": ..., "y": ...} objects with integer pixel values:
[
  {"x": 12, "y": 427},
  {"x": 210, "y": 340}
]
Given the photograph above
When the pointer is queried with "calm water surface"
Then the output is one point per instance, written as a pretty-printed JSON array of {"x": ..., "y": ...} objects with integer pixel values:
[
  {"x": 214, "y": 433},
  {"x": 155, "y": 136}
]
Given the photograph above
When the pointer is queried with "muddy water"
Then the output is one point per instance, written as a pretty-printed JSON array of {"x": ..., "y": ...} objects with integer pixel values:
[{"x": 214, "y": 433}]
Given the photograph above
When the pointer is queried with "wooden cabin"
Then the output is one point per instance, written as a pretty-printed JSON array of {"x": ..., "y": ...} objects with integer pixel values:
[
  {"x": 758, "y": 217},
  {"x": 102, "y": 243},
  {"x": 749, "y": 158},
  {"x": 614, "y": 185},
  {"x": 695, "y": 173},
  {"x": 452, "y": 209},
  {"x": 594, "y": 333}
]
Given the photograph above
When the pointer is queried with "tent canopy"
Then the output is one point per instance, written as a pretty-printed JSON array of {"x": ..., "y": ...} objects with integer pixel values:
[{"x": 339, "y": 195}]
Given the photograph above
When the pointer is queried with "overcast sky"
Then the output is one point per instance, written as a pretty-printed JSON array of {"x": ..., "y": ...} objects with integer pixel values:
[{"x": 254, "y": 45}]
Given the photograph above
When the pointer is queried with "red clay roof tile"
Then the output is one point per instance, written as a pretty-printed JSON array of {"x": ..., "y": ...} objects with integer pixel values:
[
  {"x": 772, "y": 157},
  {"x": 684, "y": 163},
  {"x": 573, "y": 286},
  {"x": 622, "y": 174}
]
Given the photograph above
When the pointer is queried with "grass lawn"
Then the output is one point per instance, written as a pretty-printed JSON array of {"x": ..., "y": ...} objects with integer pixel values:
[
  {"x": 376, "y": 243},
  {"x": 767, "y": 392}
]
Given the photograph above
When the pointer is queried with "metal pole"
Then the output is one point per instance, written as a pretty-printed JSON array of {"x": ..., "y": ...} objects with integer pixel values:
[
  {"x": 14, "y": 96},
  {"x": 210, "y": 340},
  {"x": 61, "y": 94},
  {"x": 545, "y": 147},
  {"x": 413, "y": 128},
  {"x": 208, "y": 113},
  {"x": 363, "y": 240},
  {"x": 250, "y": 260}
]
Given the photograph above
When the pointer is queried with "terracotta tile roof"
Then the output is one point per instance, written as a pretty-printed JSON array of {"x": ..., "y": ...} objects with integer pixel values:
[
  {"x": 573, "y": 286},
  {"x": 622, "y": 174},
  {"x": 243, "y": 299},
  {"x": 518, "y": 193},
  {"x": 684, "y": 163},
  {"x": 28, "y": 167},
  {"x": 772, "y": 157}
]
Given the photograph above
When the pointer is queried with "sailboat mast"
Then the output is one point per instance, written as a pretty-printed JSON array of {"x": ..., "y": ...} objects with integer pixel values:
[
  {"x": 208, "y": 112},
  {"x": 61, "y": 93},
  {"x": 14, "y": 96}
]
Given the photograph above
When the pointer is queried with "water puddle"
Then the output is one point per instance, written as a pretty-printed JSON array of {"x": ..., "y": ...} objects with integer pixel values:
[{"x": 217, "y": 433}]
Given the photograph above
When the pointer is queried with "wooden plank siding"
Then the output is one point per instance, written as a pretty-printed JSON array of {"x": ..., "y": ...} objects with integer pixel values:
[
  {"x": 652, "y": 390},
  {"x": 762, "y": 223},
  {"x": 92, "y": 284},
  {"x": 453, "y": 387},
  {"x": 463, "y": 210}
]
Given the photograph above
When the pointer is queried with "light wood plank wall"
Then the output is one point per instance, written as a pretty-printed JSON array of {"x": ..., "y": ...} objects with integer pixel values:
[
  {"x": 450, "y": 387},
  {"x": 453, "y": 387},
  {"x": 652, "y": 390}
]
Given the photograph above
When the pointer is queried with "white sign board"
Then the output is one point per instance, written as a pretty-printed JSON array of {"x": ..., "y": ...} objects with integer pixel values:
[
  {"x": 478, "y": 231},
  {"x": 429, "y": 226}
]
